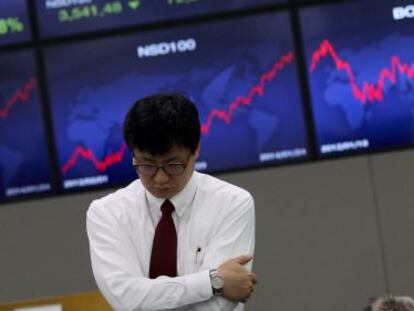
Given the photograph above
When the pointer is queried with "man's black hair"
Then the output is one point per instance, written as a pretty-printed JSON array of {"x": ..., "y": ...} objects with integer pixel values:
[{"x": 158, "y": 122}]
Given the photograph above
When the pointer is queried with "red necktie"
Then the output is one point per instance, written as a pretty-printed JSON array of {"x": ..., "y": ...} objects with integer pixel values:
[{"x": 164, "y": 247}]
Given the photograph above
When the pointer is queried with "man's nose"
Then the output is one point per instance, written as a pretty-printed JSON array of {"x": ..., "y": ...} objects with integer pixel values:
[{"x": 161, "y": 177}]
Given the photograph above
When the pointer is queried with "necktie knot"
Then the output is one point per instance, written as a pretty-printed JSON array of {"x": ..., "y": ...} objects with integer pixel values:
[{"x": 167, "y": 208}]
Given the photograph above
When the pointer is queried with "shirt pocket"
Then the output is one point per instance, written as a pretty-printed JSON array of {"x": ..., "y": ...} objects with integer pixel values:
[
  {"x": 195, "y": 258},
  {"x": 197, "y": 242}
]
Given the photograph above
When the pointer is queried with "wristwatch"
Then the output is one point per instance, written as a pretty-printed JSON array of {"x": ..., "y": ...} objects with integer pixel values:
[{"x": 217, "y": 282}]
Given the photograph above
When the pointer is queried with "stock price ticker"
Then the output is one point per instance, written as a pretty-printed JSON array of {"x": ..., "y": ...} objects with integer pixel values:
[
  {"x": 24, "y": 164},
  {"x": 14, "y": 23},
  {"x": 361, "y": 74},
  {"x": 66, "y": 17},
  {"x": 250, "y": 109},
  {"x": 57, "y": 17},
  {"x": 92, "y": 11}
]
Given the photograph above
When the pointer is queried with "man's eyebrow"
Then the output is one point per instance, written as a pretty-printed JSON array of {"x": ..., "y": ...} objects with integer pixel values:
[
  {"x": 146, "y": 159},
  {"x": 173, "y": 158}
]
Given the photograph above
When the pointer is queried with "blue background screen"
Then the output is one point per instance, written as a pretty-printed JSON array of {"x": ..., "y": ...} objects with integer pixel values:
[
  {"x": 361, "y": 74},
  {"x": 24, "y": 159}
]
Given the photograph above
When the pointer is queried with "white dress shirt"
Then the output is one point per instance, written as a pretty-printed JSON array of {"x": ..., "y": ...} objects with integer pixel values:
[{"x": 215, "y": 222}]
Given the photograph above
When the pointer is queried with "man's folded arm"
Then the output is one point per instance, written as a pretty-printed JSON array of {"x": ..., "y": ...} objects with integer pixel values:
[{"x": 234, "y": 237}]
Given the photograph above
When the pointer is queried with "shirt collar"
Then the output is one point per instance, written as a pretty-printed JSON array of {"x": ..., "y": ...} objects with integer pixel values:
[{"x": 181, "y": 200}]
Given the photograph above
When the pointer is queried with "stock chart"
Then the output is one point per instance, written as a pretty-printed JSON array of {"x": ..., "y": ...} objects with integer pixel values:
[
  {"x": 241, "y": 73},
  {"x": 24, "y": 159},
  {"x": 361, "y": 74},
  {"x": 57, "y": 18},
  {"x": 14, "y": 22}
]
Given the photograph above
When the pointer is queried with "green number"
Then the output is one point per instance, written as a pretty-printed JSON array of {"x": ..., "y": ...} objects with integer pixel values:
[
  {"x": 63, "y": 16},
  {"x": 14, "y": 24},
  {"x": 77, "y": 13},
  {"x": 114, "y": 7},
  {"x": 107, "y": 9},
  {"x": 86, "y": 12},
  {"x": 3, "y": 27},
  {"x": 81, "y": 12},
  {"x": 117, "y": 7},
  {"x": 94, "y": 10}
]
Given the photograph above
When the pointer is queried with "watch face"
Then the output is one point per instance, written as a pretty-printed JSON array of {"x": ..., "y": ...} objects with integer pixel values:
[{"x": 217, "y": 282}]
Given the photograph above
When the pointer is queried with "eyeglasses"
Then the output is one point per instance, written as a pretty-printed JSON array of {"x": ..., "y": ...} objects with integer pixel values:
[{"x": 172, "y": 169}]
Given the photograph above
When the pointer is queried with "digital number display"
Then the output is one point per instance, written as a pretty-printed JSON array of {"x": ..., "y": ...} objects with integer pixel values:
[
  {"x": 14, "y": 22},
  {"x": 58, "y": 18}
]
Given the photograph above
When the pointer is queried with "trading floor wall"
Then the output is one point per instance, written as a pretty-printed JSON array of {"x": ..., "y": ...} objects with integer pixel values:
[{"x": 328, "y": 236}]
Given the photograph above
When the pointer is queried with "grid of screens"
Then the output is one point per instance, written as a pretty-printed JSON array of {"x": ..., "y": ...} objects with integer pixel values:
[
  {"x": 241, "y": 70},
  {"x": 242, "y": 78},
  {"x": 250, "y": 107}
]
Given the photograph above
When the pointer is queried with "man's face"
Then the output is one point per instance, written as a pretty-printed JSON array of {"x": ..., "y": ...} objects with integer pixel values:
[{"x": 161, "y": 184}]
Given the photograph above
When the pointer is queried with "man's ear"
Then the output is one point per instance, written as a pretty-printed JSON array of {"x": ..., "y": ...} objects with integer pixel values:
[
  {"x": 197, "y": 151},
  {"x": 134, "y": 162}
]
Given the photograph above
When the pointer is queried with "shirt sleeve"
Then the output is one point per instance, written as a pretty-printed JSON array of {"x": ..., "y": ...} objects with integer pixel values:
[
  {"x": 234, "y": 236},
  {"x": 120, "y": 279}
]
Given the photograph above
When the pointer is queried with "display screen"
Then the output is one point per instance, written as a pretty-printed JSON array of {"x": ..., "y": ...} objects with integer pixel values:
[
  {"x": 24, "y": 159},
  {"x": 241, "y": 74},
  {"x": 361, "y": 74},
  {"x": 14, "y": 22},
  {"x": 57, "y": 17}
]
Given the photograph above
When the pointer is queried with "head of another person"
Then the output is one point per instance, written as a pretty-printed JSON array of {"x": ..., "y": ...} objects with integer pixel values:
[
  {"x": 163, "y": 133},
  {"x": 392, "y": 303}
]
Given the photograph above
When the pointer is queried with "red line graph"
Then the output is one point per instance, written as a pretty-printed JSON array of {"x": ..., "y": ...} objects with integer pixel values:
[
  {"x": 369, "y": 92},
  {"x": 88, "y": 154},
  {"x": 257, "y": 90},
  {"x": 225, "y": 115},
  {"x": 21, "y": 95}
]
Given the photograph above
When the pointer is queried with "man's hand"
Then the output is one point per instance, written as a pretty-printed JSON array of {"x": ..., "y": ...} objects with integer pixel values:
[{"x": 238, "y": 281}]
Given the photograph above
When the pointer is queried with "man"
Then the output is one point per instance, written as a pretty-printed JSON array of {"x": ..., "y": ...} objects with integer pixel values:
[{"x": 174, "y": 238}]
